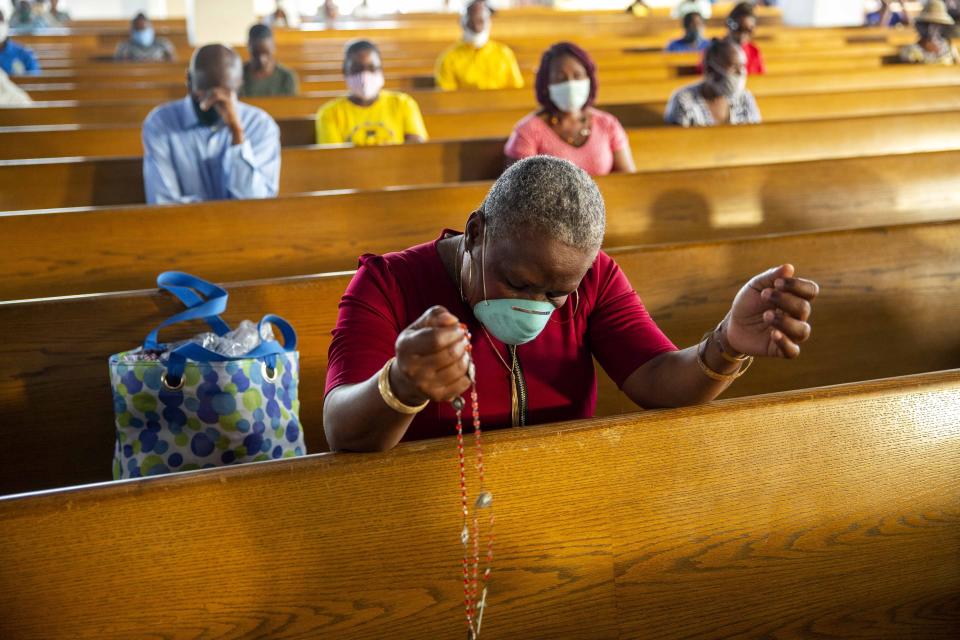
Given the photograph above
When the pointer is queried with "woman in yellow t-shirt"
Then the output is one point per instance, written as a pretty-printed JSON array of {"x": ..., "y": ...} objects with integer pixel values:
[{"x": 369, "y": 115}]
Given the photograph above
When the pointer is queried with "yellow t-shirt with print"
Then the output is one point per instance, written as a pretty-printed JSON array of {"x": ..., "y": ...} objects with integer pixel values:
[
  {"x": 393, "y": 116},
  {"x": 492, "y": 66}
]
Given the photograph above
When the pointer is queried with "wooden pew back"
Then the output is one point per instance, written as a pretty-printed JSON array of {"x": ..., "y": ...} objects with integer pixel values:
[
  {"x": 41, "y": 184},
  {"x": 315, "y": 234},
  {"x": 838, "y": 515},
  {"x": 295, "y": 116},
  {"x": 893, "y": 76},
  {"x": 871, "y": 321},
  {"x": 114, "y": 138}
]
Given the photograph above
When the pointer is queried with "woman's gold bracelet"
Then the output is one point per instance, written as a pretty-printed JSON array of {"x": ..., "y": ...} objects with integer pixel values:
[
  {"x": 738, "y": 359},
  {"x": 383, "y": 382},
  {"x": 721, "y": 377}
]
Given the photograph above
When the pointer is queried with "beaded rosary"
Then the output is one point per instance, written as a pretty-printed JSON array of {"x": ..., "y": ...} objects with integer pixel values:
[{"x": 474, "y": 583}]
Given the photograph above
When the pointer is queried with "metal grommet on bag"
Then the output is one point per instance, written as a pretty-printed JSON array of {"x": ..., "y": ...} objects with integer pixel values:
[
  {"x": 265, "y": 371},
  {"x": 172, "y": 387}
]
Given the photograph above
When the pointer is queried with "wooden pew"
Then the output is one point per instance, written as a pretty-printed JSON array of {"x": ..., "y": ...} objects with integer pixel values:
[
  {"x": 423, "y": 78},
  {"x": 841, "y": 520},
  {"x": 872, "y": 320},
  {"x": 299, "y": 131},
  {"x": 93, "y": 182},
  {"x": 440, "y": 28},
  {"x": 314, "y": 234},
  {"x": 137, "y": 87},
  {"x": 891, "y": 76},
  {"x": 68, "y": 140},
  {"x": 401, "y": 67}
]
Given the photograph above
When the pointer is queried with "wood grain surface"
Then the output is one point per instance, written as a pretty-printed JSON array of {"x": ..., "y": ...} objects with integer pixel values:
[
  {"x": 431, "y": 101},
  {"x": 93, "y": 131},
  {"x": 307, "y": 169},
  {"x": 63, "y": 86},
  {"x": 416, "y": 63},
  {"x": 831, "y": 514},
  {"x": 295, "y": 116},
  {"x": 87, "y": 251},
  {"x": 872, "y": 320}
]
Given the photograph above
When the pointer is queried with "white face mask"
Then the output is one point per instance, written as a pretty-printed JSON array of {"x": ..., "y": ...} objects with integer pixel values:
[
  {"x": 365, "y": 85},
  {"x": 729, "y": 86},
  {"x": 4, "y": 30},
  {"x": 570, "y": 96},
  {"x": 476, "y": 39}
]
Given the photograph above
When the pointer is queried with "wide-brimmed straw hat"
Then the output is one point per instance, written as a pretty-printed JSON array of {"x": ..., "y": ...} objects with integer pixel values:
[{"x": 935, "y": 12}]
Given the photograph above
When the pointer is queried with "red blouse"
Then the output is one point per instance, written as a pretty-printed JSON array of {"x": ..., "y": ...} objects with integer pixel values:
[{"x": 390, "y": 292}]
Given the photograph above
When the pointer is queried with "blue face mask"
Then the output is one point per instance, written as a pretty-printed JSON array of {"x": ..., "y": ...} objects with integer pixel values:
[
  {"x": 143, "y": 38},
  {"x": 514, "y": 320},
  {"x": 511, "y": 320}
]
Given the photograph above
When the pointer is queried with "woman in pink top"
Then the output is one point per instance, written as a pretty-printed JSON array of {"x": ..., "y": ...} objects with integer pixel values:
[
  {"x": 538, "y": 301},
  {"x": 567, "y": 126}
]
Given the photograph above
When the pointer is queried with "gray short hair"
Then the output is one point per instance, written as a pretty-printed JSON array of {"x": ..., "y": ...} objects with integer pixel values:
[{"x": 550, "y": 195}]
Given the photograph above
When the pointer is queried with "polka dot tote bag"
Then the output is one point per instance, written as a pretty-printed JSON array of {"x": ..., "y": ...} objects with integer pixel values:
[{"x": 186, "y": 406}]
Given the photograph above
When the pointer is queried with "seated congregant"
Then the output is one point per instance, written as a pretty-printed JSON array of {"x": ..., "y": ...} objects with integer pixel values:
[
  {"x": 15, "y": 60},
  {"x": 369, "y": 114},
  {"x": 51, "y": 13},
  {"x": 57, "y": 16},
  {"x": 703, "y": 7},
  {"x": 25, "y": 18},
  {"x": 144, "y": 45},
  {"x": 741, "y": 24},
  {"x": 263, "y": 75},
  {"x": 935, "y": 28},
  {"x": 567, "y": 125},
  {"x": 279, "y": 18},
  {"x": 541, "y": 301},
  {"x": 329, "y": 10},
  {"x": 693, "y": 38},
  {"x": 721, "y": 97},
  {"x": 209, "y": 145},
  {"x": 477, "y": 62}
]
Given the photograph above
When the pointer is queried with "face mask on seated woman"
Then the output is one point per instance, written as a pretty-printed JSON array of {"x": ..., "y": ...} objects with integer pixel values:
[
  {"x": 512, "y": 321},
  {"x": 728, "y": 85},
  {"x": 365, "y": 85},
  {"x": 144, "y": 37},
  {"x": 570, "y": 96}
]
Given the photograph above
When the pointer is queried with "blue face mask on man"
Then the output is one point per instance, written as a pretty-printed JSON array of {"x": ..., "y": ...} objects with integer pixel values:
[{"x": 144, "y": 37}]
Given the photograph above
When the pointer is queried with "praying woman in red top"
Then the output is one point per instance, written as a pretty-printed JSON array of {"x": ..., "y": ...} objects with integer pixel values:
[{"x": 528, "y": 283}]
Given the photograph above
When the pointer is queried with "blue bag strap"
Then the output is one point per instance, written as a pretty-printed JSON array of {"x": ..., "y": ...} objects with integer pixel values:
[
  {"x": 267, "y": 350},
  {"x": 207, "y": 306}
]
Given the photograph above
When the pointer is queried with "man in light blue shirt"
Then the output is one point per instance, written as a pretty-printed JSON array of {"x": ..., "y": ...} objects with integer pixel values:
[{"x": 210, "y": 146}]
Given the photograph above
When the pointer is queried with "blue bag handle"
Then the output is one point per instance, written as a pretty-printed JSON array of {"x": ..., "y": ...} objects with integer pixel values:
[
  {"x": 267, "y": 350},
  {"x": 207, "y": 306}
]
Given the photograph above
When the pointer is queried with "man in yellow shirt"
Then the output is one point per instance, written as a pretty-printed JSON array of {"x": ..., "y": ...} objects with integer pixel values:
[
  {"x": 369, "y": 115},
  {"x": 477, "y": 62}
]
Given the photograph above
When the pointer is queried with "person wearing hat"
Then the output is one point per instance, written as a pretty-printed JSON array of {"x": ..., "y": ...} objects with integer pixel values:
[{"x": 935, "y": 27}]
